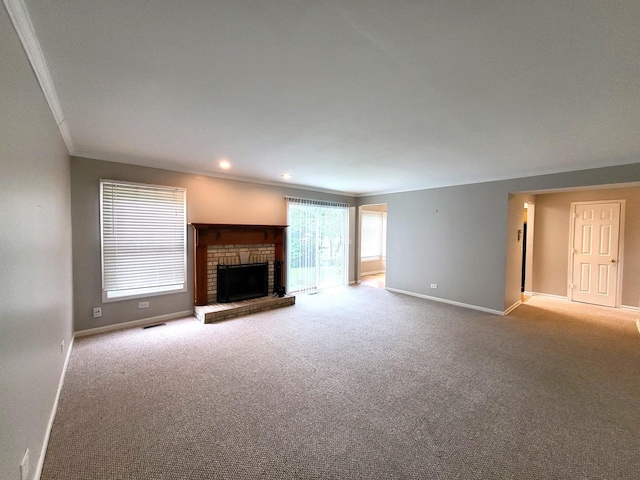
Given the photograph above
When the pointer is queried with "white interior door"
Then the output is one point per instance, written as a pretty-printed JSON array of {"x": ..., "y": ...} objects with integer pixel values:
[{"x": 595, "y": 248}]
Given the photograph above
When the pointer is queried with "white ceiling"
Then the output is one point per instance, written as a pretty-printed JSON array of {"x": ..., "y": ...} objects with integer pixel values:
[{"x": 353, "y": 96}]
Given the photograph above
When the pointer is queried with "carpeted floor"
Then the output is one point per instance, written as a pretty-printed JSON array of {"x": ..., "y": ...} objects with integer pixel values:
[{"x": 357, "y": 382}]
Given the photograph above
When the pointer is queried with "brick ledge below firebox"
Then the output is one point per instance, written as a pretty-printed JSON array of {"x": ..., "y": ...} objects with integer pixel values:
[{"x": 224, "y": 311}]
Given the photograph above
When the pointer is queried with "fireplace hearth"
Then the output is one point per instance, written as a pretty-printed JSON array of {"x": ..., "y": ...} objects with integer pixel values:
[
  {"x": 242, "y": 282},
  {"x": 234, "y": 246}
]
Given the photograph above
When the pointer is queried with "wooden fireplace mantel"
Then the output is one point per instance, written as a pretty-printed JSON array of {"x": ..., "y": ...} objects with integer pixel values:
[{"x": 206, "y": 234}]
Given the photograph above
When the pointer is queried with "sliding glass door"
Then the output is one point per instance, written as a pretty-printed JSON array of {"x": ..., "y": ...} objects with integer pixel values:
[{"x": 317, "y": 240}]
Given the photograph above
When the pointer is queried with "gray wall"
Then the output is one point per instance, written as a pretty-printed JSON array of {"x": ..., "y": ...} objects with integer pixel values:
[
  {"x": 453, "y": 237},
  {"x": 463, "y": 238},
  {"x": 552, "y": 230},
  {"x": 209, "y": 200},
  {"x": 35, "y": 258}
]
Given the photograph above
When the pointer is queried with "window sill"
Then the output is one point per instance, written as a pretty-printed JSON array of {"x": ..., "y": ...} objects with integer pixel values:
[
  {"x": 141, "y": 293},
  {"x": 370, "y": 259}
]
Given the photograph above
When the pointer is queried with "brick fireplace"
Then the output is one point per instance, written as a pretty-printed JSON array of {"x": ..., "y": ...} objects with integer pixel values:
[
  {"x": 230, "y": 244},
  {"x": 238, "y": 255}
]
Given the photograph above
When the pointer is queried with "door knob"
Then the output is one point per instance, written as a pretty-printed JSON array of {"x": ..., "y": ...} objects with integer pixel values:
[{"x": 613, "y": 260}]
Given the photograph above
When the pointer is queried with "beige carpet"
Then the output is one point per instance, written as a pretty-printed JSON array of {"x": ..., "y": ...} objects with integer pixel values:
[
  {"x": 583, "y": 311},
  {"x": 356, "y": 382}
]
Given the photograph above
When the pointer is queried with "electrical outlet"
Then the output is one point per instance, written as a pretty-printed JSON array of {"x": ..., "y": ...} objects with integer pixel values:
[
  {"x": 434, "y": 285},
  {"x": 24, "y": 466},
  {"x": 143, "y": 304},
  {"x": 97, "y": 312}
]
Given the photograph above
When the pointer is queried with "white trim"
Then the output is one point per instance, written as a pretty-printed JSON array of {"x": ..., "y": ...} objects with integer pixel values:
[
  {"x": 498, "y": 178},
  {"x": 135, "y": 323},
  {"x": 450, "y": 302},
  {"x": 173, "y": 167},
  {"x": 133, "y": 293},
  {"x": 570, "y": 248},
  {"x": 22, "y": 22},
  {"x": 559, "y": 297},
  {"x": 54, "y": 409},
  {"x": 623, "y": 206},
  {"x": 512, "y": 307},
  {"x": 638, "y": 325},
  {"x": 117, "y": 272},
  {"x": 630, "y": 308}
]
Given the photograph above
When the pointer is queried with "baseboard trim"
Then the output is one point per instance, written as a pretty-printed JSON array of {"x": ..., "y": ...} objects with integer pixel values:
[
  {"x": 372, "y": 272},
  {"x": 559, "y": 297},
  {"x": 135, "y": 323},
  {"x": 512, "y": 307},
  {"x": 450, "y": 302},
  {"x": 52, "y": 417},
  {"x": 566, "y": 299}
]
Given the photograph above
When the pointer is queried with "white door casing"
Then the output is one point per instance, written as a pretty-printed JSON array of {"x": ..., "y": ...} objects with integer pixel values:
[{"x": 595, "y": 249}]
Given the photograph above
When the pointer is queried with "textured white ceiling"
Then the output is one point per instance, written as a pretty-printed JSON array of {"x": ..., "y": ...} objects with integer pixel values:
[{"x": 354, "y": 96}]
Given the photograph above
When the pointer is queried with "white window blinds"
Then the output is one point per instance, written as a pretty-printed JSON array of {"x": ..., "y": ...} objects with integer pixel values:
[
  {"x": 317, "y": 244},
  {"x": 373, "y": 234},
  {"x": 143, "y": 234}
]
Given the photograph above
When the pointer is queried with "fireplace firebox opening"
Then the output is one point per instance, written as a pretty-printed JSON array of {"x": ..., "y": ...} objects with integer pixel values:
[{"x": 242, "y": 282}]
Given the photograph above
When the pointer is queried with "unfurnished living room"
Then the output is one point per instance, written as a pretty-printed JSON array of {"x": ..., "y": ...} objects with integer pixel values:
[{"x": 195, "y": 197}]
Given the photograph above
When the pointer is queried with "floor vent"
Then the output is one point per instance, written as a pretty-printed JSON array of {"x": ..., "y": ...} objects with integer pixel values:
[{"x": 154, "y": 325}]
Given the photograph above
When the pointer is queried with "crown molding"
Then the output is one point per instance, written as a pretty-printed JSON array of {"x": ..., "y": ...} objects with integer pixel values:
[
  {"x": 142, "y": 162},
  {"x": 22, "y": 22}
]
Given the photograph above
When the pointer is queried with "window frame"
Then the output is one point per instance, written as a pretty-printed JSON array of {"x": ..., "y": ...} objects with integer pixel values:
[
  {"x": 143, "y": 291},
  {"x": 382, "y": 252},
  {"x": 314, "y": 210}
]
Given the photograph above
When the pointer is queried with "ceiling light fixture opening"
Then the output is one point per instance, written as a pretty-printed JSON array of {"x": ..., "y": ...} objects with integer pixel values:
[
  {"x": 286, "y": 176},
  {"x": 225, "y": 164}
]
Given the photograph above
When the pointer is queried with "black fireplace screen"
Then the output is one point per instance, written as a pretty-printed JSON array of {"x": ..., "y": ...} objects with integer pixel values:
[{"x": 241, "y": 282}]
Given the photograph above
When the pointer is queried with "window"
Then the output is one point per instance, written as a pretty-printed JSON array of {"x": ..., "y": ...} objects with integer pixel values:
[
  {"x": 317, "y": 240},
  {"x": 374, "y": 235},
  {"x": 143, "y": 235}
]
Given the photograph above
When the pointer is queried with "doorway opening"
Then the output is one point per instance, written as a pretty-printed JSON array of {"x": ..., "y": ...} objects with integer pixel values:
[
  {"x": 526, "y": 279},
  {"x": 562, "y": 236},
  {"x": 373, "y": 245}
]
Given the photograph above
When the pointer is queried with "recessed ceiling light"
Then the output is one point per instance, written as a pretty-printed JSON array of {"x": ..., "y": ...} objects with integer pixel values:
[
  {"x": 224, "y": 164},
  {"x": 286, "y": 176}
]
